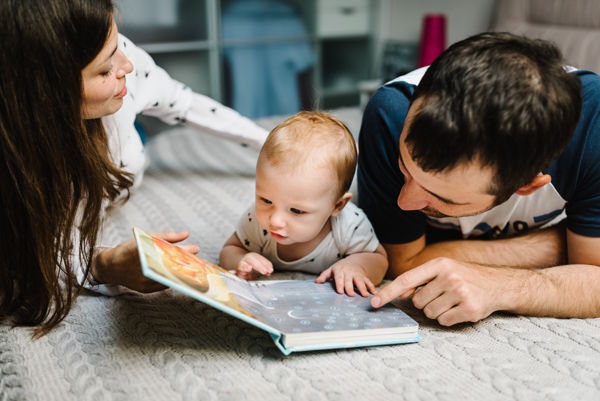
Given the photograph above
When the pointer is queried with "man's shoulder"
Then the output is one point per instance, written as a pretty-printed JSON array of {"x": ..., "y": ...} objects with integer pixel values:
[
  {"x": 588, "y": 126},
  {"x": 393, "y": 93},
  {"x": 386, "y": 111},
  {"x": 580, "y": 157},
  {"x": 589, "y": 79}
]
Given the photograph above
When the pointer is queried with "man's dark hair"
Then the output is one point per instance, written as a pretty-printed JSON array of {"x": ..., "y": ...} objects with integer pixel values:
[{"x": 501, "y": 99}]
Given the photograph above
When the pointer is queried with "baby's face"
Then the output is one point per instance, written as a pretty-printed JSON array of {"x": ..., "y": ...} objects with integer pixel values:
[{"x": 294, "y": 206}]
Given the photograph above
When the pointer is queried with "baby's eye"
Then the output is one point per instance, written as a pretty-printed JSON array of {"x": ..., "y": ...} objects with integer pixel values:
[
  {"x": 297, "y": 211},
  {"x": 266, "y": 201}
]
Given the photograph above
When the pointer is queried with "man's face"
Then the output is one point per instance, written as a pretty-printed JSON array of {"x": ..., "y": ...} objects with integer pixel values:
[{"x": 462, "y": 191}]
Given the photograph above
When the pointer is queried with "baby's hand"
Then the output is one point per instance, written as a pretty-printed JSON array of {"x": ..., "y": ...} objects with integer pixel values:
[
  {"x": 252, "y": 265},
  {"x": 346, "y": 277}
]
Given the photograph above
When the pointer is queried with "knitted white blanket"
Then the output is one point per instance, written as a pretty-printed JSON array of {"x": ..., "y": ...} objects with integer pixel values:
[{"x": 166, "y": 346}]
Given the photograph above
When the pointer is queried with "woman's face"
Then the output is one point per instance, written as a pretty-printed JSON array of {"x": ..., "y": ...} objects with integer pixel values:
[{"x": 104, "y": 79}]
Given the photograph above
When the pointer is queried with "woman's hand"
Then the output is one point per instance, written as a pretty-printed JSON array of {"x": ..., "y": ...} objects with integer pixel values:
[{"x": 121, "y": 265}]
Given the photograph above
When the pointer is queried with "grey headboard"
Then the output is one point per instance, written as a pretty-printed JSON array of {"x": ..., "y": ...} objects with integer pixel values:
[{"x": 573, "y": 25}]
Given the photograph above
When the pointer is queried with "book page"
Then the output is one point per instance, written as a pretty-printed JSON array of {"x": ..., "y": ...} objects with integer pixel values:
[
  {"x": 202, "y": 277},
  {"x": 289, "y": 306},
  {"x": 302, "y": 306}
]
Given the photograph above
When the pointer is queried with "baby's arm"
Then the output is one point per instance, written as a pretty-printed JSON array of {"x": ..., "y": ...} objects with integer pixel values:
[
  {"x": 362, "y": 270},
  {"x": 247, "y": 265}
]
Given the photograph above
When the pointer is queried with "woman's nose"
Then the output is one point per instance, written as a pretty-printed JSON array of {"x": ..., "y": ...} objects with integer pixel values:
[{"x": 125, "y": 66}]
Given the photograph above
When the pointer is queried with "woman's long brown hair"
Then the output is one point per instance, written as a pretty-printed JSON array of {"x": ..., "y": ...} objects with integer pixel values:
[{"x": 55, "y": 168}]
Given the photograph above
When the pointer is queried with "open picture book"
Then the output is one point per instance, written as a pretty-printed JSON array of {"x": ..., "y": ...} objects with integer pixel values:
[{"x": 300, "y": 315}]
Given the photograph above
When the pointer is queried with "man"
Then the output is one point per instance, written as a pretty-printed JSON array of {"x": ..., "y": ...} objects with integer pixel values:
[{"x": 483, "y": 182}]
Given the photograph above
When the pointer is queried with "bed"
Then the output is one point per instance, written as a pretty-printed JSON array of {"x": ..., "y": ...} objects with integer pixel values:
[{"x": 166, "y": 346}]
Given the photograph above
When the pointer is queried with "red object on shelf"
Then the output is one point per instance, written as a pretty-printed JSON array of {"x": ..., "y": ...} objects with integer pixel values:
[{"x": 433, "y": 38}]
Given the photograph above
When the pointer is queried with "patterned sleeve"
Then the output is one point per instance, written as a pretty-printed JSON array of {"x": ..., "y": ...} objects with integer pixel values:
[
  {"x": 157, "y": 94},
  {"x": 154, "y": 92},
  {"x": 250, "y": 232},
  {"x": 353, "y": 232},
  {"x": 214, "y": 118}
]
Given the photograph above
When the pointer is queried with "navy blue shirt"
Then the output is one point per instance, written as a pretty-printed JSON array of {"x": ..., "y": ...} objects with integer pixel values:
[{"x": 574, "y": 192}]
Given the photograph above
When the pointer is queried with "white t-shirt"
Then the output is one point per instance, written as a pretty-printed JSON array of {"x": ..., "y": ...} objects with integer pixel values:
[
  {"x": 351, "y": 232},
  {"x": 151, "y": 91}
]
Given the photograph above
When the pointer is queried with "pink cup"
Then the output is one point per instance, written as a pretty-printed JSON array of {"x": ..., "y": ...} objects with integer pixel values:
[{"x": 433, "y": 38}]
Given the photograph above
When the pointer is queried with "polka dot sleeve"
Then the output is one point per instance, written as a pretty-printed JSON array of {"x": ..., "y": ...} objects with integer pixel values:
[{"x": 155, "y": 93}]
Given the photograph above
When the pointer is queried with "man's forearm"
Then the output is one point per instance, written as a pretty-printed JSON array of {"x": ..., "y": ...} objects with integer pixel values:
[
  {"x": 561, "y": 291},
  {"x": 538, "y": 249}
]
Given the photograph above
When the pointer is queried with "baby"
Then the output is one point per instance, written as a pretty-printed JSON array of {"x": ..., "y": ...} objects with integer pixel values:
[{"x": 302, "y": 219}]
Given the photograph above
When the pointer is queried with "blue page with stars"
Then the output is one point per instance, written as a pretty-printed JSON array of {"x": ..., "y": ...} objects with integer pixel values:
[{"x": 300, "y": 315}]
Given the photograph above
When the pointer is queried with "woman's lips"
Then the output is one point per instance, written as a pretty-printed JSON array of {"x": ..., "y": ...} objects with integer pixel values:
[{"x": 122, "y": 93}]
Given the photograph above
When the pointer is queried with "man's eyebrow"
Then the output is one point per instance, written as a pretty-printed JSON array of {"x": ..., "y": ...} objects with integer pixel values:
[{"x": 445, "y": 200}]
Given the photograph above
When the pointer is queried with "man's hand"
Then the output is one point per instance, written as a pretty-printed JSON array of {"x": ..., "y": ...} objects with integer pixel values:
[
  {"x": 347, "y": 276},
  {"x": 121, "y": 265},
  {"x": 252, "y": 265},
  {"x": 448, "y": 291}
]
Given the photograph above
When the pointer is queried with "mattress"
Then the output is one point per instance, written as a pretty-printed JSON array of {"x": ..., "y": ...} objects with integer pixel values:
[{"x": 166, "y": 346}]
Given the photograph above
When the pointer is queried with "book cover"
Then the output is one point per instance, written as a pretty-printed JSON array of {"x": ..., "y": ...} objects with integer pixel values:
[{"x": 300, "y": 315}]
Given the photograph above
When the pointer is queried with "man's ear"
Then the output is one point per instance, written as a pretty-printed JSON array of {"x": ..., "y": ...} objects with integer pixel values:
[
  {"x": 341, "y": 203},
  {"x": 535, "y": 184}
]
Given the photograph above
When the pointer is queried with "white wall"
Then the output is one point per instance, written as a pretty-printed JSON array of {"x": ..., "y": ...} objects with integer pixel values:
[{"x": 402, "y": 19}]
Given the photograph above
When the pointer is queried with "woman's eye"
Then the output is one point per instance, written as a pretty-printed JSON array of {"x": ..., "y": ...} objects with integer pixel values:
[
  {"x": 297, "y": 211},
  {"x": 106, "y": 73}
]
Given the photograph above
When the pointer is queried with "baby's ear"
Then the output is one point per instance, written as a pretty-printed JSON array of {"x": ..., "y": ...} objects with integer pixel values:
[{"x": 341, "y": 203}]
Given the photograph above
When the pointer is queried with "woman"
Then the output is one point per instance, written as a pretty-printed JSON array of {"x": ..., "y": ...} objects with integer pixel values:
[{"x": 70, "y": 88}]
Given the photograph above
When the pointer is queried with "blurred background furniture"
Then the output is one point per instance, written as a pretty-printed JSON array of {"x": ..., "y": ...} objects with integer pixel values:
[
  {"x": 263, "y": 77},
  {"x": 189, "y": 38},
  {"x": 573, "y": 25}
]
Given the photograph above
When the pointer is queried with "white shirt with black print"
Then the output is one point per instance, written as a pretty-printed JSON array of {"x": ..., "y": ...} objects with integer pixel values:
[{"x": 351, "y": 232}]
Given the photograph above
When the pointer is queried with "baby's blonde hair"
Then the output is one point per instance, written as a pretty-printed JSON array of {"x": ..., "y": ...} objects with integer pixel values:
[{"x": 311, "y": 139}]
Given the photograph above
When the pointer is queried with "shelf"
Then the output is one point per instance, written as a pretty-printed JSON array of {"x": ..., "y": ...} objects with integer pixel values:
[
  {"x": 161, "y": 21},
  {"x": 339, "y": 91},
  {"x": 339, "y": 100},
  {"x": 185, "y": 37},
  {"x": 175, "y": 47},
  {"x": 344, "y": 63},
  {"x": 263, "y": 41},
  {"x": 191, "y": 68}
]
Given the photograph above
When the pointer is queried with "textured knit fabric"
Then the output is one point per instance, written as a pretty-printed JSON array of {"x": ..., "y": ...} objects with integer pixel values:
[{"x": 167, "y": 346}]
